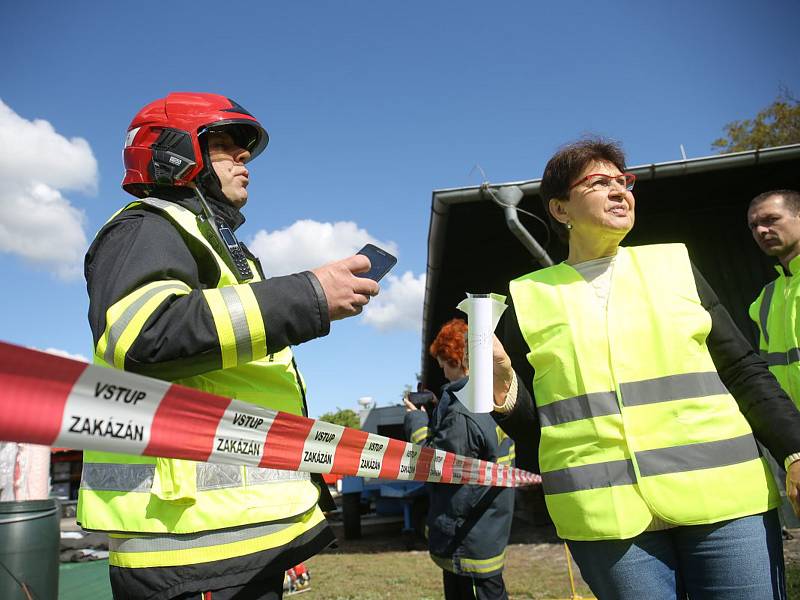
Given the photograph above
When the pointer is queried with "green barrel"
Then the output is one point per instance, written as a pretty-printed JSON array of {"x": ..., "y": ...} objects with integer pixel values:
[{"x": 29, "y": 547}]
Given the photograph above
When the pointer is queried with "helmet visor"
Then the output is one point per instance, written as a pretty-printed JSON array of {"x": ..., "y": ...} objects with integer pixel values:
[{"x": 246, "y": 134}]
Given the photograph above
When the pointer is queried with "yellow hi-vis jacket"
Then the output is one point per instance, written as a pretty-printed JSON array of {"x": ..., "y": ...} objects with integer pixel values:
[
  {"x": 775, "y": 311},
  {"x": 140, "y": 494},
  {"x": 635, "y": 420}
]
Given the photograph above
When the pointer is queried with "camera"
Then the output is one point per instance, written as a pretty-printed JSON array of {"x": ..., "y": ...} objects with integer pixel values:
[{"x": 420, "y": 399}]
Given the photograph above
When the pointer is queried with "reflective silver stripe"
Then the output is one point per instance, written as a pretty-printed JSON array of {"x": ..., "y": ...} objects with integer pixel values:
[
  {"x": 117, "y": 478},
  {"x": 589, "y": 477},
  {"x": 419, "y": 435},
  {"x": 127, "y": 316},
  {"x": 671, "y": 387},
  {"x": 692, "y": 457},
  {"x": 763, "y": 310},
  {"x": 792, "y": 355},
  {"x": 241, "y": 330},
  {"x": 775, "y": 359},
  {"x": 585, "y": 406},
  {"x": 236, "y": 311},
  {"x": 781, "y": 359},
  {"x": 209, "y": 476},
  {"x": 187, "y": 541},
  {"x": 213, "y": 477},
  {"x": 166, "y": 206},
  {"x": 478, "y": 565},
  {"x": 634, "y": 393},
  {"x": 259, "y": 476}
]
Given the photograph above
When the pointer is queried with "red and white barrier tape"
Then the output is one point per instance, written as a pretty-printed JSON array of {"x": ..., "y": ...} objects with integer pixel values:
[{"x": 55, "y": 401}]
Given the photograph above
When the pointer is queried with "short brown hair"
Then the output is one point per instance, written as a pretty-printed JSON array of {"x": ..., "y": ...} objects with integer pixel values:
[
  {"x": 569, "y": 162},
  {"x": 450, "y": 342},
  {"x": 791, "y": 198}
]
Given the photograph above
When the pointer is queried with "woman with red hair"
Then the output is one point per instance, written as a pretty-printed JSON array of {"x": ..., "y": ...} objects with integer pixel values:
[
  {"x": 449, "y": 349},
  {"x": 468, "y": 525}
]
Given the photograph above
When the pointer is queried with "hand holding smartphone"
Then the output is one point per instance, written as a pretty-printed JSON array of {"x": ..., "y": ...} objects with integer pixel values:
[
  {"x": 420, "y": 399},
  {"x": 345, "y": 297},
  {"x": 380, "y": 260}
]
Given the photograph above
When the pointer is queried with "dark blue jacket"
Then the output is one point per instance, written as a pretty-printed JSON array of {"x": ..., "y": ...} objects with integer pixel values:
[{"x": 468, "y": 525}]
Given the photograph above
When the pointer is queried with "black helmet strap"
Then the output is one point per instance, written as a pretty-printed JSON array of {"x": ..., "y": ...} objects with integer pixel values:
[{"x": 207, "y": 179}]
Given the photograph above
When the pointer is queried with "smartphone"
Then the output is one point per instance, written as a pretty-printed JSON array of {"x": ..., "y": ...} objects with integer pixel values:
[
  {"x": 380, "y": 260},
  {"x": 420, "y": 399}
]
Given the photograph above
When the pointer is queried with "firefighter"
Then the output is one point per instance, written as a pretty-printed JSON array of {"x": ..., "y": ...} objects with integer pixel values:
[
  {"x": 468, "y": 525},
  {"x": 174, "y": 295}
]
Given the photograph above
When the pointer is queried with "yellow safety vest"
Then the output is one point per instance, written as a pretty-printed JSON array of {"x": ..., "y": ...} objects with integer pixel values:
[
  {"x": 775, "y": 311},
  {"x": 141, "y": 494},
  {"x": 635, "y": 420}
]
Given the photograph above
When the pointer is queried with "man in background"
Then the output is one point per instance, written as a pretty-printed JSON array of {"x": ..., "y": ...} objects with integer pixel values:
[{"x": 774, "y": 220}]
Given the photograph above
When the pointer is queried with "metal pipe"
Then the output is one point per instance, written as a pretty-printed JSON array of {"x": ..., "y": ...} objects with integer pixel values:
[{"x": 508, "y": 197}]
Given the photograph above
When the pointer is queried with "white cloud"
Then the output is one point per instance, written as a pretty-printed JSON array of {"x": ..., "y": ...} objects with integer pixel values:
[
  {"x": 399, "y": 305},
  {"x": 40, "y": 225},
  {"x": 308, "y": 244},
  {"x": 37, "y": 223},
  {"x": 65, "y": 354},
  {"x": 32, "y": 151}
]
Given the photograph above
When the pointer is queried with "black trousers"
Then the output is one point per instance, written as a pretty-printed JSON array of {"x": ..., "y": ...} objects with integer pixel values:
[
  {"x": 464, "y": 587},
  {"x": 265, "y": 589}
]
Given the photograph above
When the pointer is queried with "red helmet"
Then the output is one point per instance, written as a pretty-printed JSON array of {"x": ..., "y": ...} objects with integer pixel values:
[{"x": 165, "y": 143}]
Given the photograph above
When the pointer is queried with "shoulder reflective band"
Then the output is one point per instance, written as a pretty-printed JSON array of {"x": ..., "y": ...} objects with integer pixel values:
[
  {"x": 763, "y": 311},
  {"x": 55, "y": 401}
]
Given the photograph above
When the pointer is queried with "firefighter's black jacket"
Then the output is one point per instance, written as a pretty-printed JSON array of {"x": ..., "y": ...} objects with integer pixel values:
[{"x": 468, "y": 525}]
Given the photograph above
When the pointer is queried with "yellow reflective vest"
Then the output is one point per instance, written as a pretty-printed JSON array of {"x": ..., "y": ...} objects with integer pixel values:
[
  {"x": 635, "y": 420},
  {"x": 775, "y": 312},
  {"x": 140, "y": 494}
]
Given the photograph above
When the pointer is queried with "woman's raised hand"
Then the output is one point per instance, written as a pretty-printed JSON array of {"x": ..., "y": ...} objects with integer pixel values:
[{"x": 502, "y": 371}]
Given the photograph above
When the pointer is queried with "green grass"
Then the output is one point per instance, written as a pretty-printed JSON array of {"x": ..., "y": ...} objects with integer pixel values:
[
  {"x": 359, "y": 573},
  {"x": 532, "y": 571},
  {"x": 371, "y": 569},
  {"x": 793, "y": 580}
]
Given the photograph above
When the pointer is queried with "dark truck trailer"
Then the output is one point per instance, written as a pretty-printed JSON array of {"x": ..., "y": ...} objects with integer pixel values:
[
  {"x": 701, "y": 202},
  {"x": 382, "y": 497}
]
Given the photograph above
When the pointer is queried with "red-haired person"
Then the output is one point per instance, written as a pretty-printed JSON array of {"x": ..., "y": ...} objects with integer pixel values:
[{"x": 468, "y": 525}]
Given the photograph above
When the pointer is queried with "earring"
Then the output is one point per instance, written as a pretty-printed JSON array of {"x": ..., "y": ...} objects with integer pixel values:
[{"x": 569, "y": 225}]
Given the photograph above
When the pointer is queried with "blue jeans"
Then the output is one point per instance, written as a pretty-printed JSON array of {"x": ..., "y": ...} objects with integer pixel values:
[{"x": 740, "y": 559}]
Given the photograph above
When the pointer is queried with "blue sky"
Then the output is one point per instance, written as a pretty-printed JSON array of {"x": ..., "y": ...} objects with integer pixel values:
[{"x": 370, "y": 106}]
